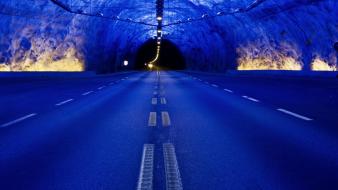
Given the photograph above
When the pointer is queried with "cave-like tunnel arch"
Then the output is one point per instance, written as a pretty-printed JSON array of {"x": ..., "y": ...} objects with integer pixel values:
[{"x": 170, "y": 57}]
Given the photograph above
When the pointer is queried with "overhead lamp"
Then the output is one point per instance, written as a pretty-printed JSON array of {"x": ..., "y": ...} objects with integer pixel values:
[
  {"x": 189, "y": 19},
  {"x": 205, "y": 15},
  {"x": 220, "y": 13},
  {"x": 159, "y": 31},
  {"x": 159, "y": 18},
  {"x": 125, "y": 62},
  {"x": 158, "y": 43}
]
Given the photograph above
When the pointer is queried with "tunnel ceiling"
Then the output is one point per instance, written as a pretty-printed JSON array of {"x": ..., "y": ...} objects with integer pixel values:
[{"x": 213, "y": 35}]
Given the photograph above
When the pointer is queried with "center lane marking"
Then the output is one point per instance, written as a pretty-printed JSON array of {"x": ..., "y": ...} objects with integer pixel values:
[
  {"x": 64, "y": 102},
  {"x": 145, "y": 180},
  {"x": 172, "y": 172},
  {"x": 152, "y": 119},
  {"x": 163, "y": 101},
  {"x": 165, "y": 119},
  {"x": 154, "y": 101},
  {"x": 294, "y": 114},
  {"x": 214, "y": 85},
  {"x": 18, "y": 120}
]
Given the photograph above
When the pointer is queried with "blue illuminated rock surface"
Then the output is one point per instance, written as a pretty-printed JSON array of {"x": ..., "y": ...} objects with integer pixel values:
[{"x": 245, "y": 34}]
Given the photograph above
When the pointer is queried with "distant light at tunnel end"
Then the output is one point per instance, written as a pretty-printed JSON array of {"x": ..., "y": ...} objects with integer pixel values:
[{"x": 125, "y": 62}]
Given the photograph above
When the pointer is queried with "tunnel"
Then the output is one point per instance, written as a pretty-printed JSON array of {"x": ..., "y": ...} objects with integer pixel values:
[
  {"x": 168, "y": 94},
  {"x": 211, "y": 36},
  {"x": 170, "y": 57}
]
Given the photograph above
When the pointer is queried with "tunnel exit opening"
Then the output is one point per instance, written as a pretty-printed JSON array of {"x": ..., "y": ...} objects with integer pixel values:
[{"x": 170, "y": 57}]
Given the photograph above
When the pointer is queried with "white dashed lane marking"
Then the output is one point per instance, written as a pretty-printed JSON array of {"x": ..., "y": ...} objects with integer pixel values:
[
  {"x": 214, "y": 85},
  {"x": 145, "y": 180},
  {"x": 152, "y": 119},
  {"x": 228, "y": 90},
  {"x": 86, "y": 93},
  {"x": 18, "y": 120},
  {"x": 250, "y": 98},
  {"x": 101, "y": 87},
  {"x": 64, "y": 102},
  {"x": 294, "y": 114},
  {"x": 165, "y": 119},
  {"x": 154, "y": 101}
]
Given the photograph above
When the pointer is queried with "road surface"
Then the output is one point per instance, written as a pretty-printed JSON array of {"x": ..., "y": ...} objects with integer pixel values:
[{"x": 168, "y": 130}]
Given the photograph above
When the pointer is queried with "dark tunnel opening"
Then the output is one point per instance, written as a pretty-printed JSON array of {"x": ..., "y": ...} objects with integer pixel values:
[{"x": 170, "y": 57}]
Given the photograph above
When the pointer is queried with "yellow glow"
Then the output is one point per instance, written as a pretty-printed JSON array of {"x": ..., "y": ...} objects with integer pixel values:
[
  {"x": 150, "y": 66},
  {"x": 256, "y": 56},
  {"x": 319, "y": 64},
  {"x": 45, "y": 62}
]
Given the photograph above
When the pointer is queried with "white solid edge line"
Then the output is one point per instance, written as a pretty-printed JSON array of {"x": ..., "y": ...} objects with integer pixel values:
[
  {"x": 18, "y": 120},
  {"x": 294, "y": 114},
  {"x": 86, "y": 93},
  {"x": 64, "y": 102}
]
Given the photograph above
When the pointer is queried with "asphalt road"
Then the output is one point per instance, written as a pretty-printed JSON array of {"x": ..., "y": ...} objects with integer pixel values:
[{"x": 168, "y": 130}]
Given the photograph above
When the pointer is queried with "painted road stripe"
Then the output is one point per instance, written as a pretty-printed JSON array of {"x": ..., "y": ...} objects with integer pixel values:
[
  {"x": 64, "y": 102},
  {"x": 145, "y": 180},
  {"x": 251, "y": 99},
  {"x": 163, "y": 101},
  {"x": 112, "y": 83},
  {"x": 165, "y": 119},
  {"x": 200, "y": 79},
  {"x": 294, "y": 114},
  {"x": 154, "y": 101},
  {"x": 86, "y": 93},
  {"x": 101, "y": 87},
  {"x": 18, "y": 120},
  {"x": 225, "y": 89},
  {"x": 206, "y": 82},
  {"x": 172, "y": 172},
  {"x": 152, "y": 119},
  {"x": 155, "y": 93},
  {"x": 214, "y": 85}
]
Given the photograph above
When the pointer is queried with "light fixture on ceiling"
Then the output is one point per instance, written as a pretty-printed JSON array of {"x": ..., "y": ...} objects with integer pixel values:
[
  {"x": 159, "y": 18},
  {"x": 205, "y": 15}
]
